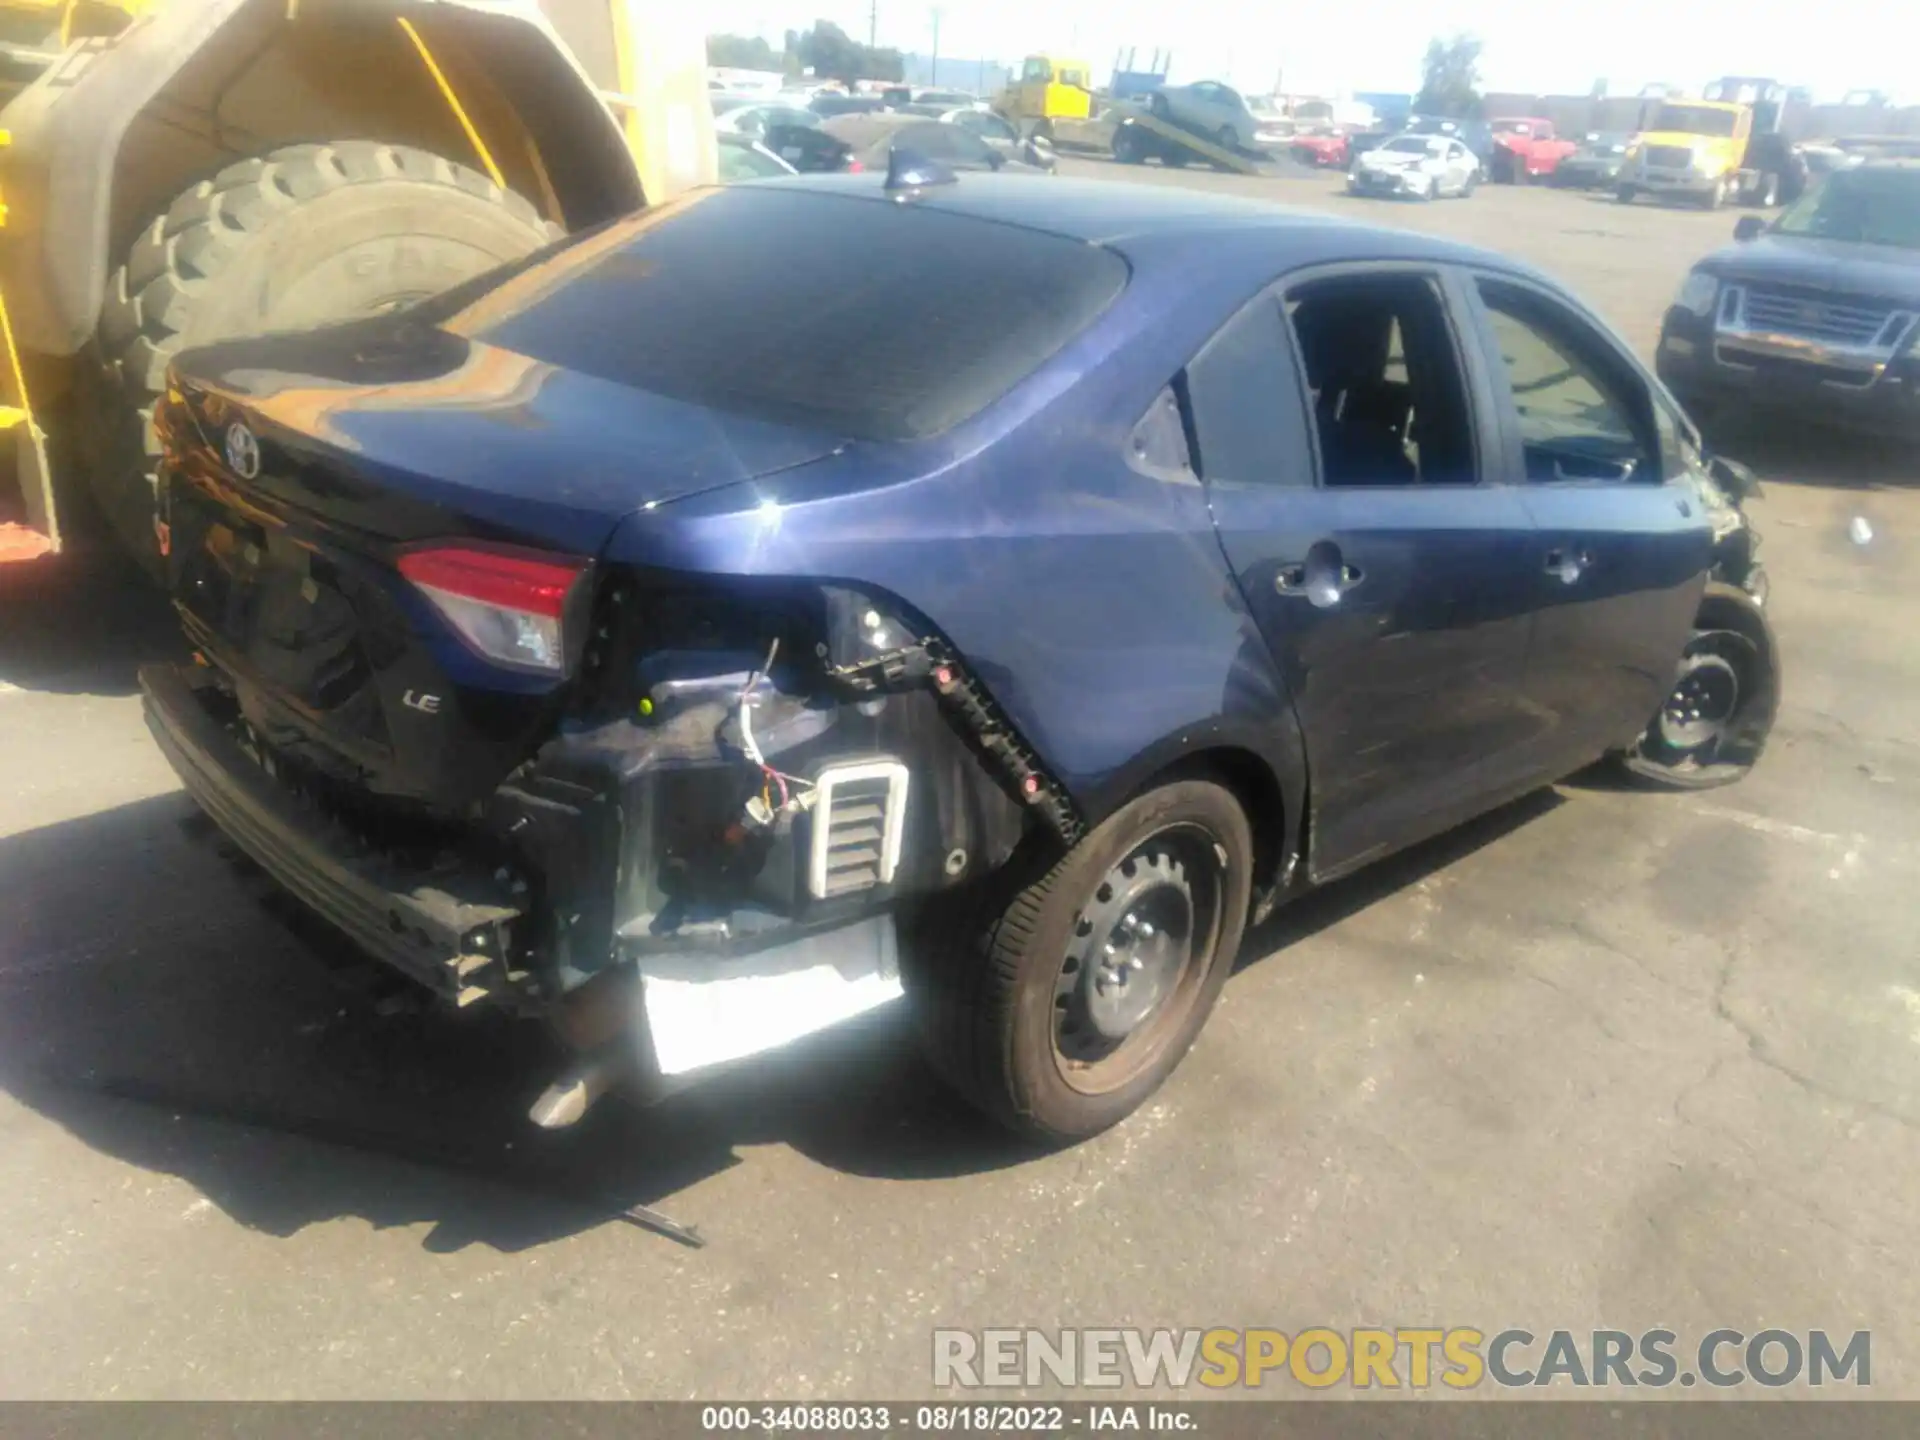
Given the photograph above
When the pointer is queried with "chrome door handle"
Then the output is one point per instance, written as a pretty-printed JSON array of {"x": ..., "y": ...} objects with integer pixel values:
[
  {"x": 1323, "y": 579},
  {"x": 1568, "y": 566}
]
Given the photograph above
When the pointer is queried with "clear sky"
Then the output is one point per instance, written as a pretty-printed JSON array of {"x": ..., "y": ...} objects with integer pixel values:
[{"x": 1325, "y": 46}]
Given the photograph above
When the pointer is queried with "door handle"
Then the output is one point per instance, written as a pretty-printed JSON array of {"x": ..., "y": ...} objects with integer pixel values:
[
  {"x": 1567, "y": 566},
  {"x": 1323, "y": 577}
]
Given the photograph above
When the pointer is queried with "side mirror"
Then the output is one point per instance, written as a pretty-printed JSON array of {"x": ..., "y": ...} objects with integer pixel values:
[{"x": 1749, "y": 227}]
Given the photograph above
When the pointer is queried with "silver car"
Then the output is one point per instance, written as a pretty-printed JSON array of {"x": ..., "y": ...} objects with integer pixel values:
[{"x": 1208, "y": 109}]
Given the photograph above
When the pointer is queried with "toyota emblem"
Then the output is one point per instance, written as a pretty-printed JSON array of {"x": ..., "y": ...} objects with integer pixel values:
[{"x": 243, "y": 451}]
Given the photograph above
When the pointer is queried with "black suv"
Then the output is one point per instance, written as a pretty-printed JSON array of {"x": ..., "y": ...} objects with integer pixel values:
[{"x": 1816, "y": 315}]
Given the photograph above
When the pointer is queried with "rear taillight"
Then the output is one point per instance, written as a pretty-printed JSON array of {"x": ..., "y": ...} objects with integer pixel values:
[
  {"x": 854, "y": 167},
  {"x": 509, "y": 605}
]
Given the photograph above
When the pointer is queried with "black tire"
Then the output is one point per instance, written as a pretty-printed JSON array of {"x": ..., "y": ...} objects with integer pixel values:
[
  {"x": 1126, "y": 146},
  {"x": 1715, "y": 721},
  {"x": 341, "y": 231},
  {"x": 987, "y": 974},
  {"x": 1174, "y": 159},
  {"x": 1625, "y": 194}
]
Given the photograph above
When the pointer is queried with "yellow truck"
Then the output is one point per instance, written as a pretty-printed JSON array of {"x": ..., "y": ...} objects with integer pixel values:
[
  {"x": 1729, "y": 145},
  {"x": 176, "y": 172},
  {"x": 1047, "y": 89},
  {"x": 1687, "y": 150}
]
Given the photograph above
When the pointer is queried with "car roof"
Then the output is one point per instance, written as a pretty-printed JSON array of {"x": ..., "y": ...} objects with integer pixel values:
[{"x": 1146, "y": 222}]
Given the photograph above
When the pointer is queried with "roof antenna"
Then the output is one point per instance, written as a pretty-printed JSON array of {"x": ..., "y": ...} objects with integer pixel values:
[{"x": 909, "y": 172}]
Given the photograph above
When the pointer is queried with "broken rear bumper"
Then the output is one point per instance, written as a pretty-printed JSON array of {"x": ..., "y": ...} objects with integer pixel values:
[{"x": 451, "y": 933}]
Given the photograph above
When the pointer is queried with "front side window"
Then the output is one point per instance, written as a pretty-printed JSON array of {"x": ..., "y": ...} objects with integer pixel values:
[
  {"x": 1384, "y": 382},
  {"x": 1037, "y": 69},
  {"x": 1582, "y": 415}
]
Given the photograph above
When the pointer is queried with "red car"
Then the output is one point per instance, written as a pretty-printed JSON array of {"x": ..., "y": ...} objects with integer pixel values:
[
  {"x": 1322, "y": 147},
  {"x": 1524, "y": 149}
]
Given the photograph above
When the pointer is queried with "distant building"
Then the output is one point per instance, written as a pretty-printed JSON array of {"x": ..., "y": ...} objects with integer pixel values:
[{"x": 956, "y": 72}]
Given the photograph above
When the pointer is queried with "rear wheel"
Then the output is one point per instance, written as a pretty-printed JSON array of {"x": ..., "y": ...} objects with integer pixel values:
[
  {"x": 1059, "y": 1008},
  {"x": 1126, "y": 146},
  {"x": 301, "y": 237},
  {"x": 1625, "y": 194}
]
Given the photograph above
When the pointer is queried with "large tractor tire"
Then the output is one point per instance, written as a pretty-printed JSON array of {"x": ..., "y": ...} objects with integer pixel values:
[{"x": 301, "y": 237}]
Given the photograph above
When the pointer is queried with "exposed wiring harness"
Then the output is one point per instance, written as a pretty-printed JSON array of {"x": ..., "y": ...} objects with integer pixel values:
[{"x": 770, "y": 778}]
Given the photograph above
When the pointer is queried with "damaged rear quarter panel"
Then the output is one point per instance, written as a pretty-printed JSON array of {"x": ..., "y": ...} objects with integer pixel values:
[{"x": 1092, "y": 600}]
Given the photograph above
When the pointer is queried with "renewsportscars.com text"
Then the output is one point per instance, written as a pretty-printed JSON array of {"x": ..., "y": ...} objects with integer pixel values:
[{"x": 1460, "y": 1358}]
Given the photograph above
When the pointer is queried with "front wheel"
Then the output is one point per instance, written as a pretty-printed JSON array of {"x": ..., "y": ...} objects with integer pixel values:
[
  {"x": 1717, "y": 715},
  {"x": 301, "y": 237},
  {"x": 1059, "y": 1008}
]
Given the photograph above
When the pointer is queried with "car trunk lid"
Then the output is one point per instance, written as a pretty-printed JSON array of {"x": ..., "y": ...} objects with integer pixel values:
[{"x": 303, "y": 470}]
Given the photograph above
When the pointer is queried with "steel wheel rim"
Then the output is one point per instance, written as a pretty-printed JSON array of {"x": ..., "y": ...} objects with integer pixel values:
[
  {"x": 1140, "y": 948},
  {"x": 1701, "y": 704}
]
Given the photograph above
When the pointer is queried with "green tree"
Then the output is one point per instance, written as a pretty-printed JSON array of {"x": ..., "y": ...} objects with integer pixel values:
[
  {"x": 1450, "y": 78},
  {"x": 832, "y": 53},
  {"x": 742, "y": 52}
]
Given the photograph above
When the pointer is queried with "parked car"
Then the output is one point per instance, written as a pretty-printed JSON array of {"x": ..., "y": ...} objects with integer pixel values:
[
  {"x": 872, "y": 137},
  {"x": 1324, "y": 146},
  {"x": 1524, "y": 149},
  {"x": 1273, "y": 130},
  {"x": 793, "y": 135},
  {"x": 753, "y": 116},
  {"x": 831, "y": 103},
  {"x": 744, "y": 159},
  {"x": 1595, "y": 164},
  {"x": 949, "y": 99},
  {"x": 1035, "y": 150},
  {"x": 578, "y": 650},
  {"x": 1419, "y": 167},
  {"x": 1815, "y": 317},
  {"x": 1210, "y": 110}
]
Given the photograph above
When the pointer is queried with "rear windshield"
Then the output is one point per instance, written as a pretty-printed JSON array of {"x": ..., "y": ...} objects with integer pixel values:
[{"x": 876, "y": 321}]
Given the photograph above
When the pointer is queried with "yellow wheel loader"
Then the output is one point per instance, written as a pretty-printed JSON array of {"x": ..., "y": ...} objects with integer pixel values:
[{"x": 174, "y": 172}]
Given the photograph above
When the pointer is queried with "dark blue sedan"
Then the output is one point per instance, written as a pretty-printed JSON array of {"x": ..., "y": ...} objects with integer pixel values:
[{"x": 1003, "y": 592}]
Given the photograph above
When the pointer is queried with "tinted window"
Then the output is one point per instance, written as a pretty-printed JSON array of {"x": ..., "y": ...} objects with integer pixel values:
[
  {"x": 875, "y": 320},
  {"x": 1245, "y": 409},
  {"x": 1866, "y": 207},
  {"x": 1583, "y": 416},
  {"x": 1384, "y": 382}
]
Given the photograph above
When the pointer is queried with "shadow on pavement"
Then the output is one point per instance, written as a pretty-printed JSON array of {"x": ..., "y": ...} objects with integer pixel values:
[
  {"x": 1321, "y": 909},
  {"x": 81, "y": 624},
  {"x": 146, "y": 991},
  {"x": 1787, "y": 453}
]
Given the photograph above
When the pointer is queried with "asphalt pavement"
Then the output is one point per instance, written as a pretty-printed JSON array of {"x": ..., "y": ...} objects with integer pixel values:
[{"x": 1601, "y": 1059}]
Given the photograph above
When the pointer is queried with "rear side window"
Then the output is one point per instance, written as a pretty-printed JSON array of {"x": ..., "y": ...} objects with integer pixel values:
[
  {"x": 1245, "y": 406},
  {"x": 874, "y": 320}
]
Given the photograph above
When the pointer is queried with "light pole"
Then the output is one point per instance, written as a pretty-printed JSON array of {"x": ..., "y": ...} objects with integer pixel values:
[{"x": 933, "y": 62}]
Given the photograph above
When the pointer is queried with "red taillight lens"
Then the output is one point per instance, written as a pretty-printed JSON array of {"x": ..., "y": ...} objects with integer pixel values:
[
  {"x": 854, "y": 167},
  {"x": 509, "y": 605}
]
